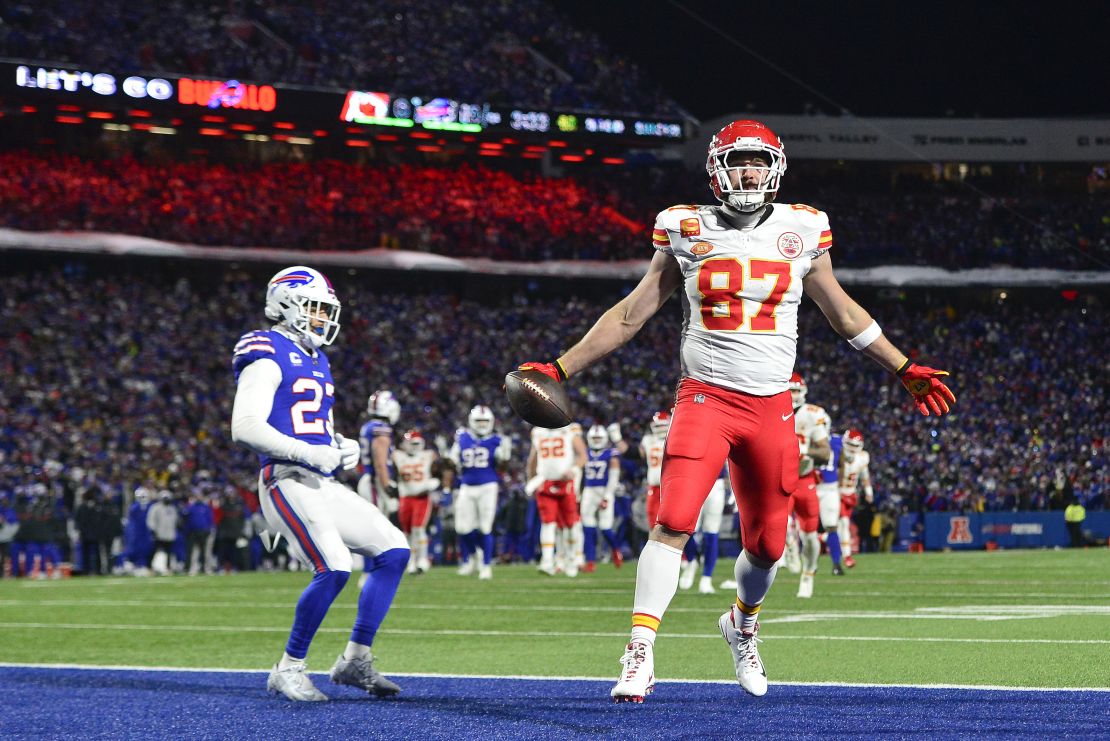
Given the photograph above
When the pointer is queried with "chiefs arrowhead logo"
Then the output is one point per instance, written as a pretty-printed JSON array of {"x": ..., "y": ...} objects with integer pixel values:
[
  {"x": 790, "y": 245},
  {"x": 701, "y": 248}
]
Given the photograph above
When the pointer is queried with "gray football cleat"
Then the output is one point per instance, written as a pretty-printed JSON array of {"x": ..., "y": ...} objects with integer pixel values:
[
  {"x": 362, "y": 674},
  {"x": 294, "y": 684}
]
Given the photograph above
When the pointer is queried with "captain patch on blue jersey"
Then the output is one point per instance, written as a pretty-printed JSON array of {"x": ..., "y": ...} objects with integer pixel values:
[{"x": 303, "y": 402}]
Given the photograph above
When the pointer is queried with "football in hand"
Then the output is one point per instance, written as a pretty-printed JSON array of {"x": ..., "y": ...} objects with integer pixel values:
[{"x": 538, "y": 399}]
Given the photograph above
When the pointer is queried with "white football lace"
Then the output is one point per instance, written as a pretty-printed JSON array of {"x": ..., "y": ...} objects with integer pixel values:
[
  {"x": 632, "y": 660},
  {"x": 748, "y": 648}
]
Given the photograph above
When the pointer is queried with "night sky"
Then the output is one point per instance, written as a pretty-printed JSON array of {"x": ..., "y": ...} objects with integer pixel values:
[{"x": 1006, "y": 59}]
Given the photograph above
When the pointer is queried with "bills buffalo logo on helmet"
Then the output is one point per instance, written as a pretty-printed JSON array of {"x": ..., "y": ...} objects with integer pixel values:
[{"x": 790, "y": 245}]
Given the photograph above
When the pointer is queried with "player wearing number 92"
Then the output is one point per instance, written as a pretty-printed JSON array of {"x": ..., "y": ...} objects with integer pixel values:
[
  {"x": 283, "y": 412},
  {"x": 740, "y": 268}
]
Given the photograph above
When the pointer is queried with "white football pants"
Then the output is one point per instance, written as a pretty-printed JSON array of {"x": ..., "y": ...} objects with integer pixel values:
[
  {"x": 593, "y": 514},
  {"x": 713, "y": 511},
  {"x": 475, "y": 508},
  {"x": 828, "y": 499}
]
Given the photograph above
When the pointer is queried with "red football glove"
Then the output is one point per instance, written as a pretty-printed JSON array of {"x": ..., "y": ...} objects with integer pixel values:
[
  {"x": 927, "y": 390},
  {"x": 553, "y": 369}
]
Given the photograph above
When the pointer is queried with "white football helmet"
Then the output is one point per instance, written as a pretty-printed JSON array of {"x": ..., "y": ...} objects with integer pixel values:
[
  {"x": 413, "y": 442},
  {"x": 660, "y": 424},
  {"x": 597, "y": 438},
  {"x": 384, "y": 405},
  {"x": 303, "y": 300},
  {"x": 798, "y": 389},
  {"x": 480, "y": 420},
  {"x": 731, "y": 153}
]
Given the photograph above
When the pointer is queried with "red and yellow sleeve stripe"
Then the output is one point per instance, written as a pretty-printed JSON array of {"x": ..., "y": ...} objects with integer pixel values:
[
  {"x": 660, "y": 238},
  {"x": 826, "y": 239}
]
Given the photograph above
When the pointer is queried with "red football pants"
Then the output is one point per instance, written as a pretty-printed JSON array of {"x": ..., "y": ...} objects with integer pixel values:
[
  {"x": 652, "y": 502},
  {"x": 848, "y": 503},
  {"x": 756, "y": 435},
  {"x": 807, "y": 510},
  {"x": 556, "y": 502},
  {"x": 414, "y": 512}
]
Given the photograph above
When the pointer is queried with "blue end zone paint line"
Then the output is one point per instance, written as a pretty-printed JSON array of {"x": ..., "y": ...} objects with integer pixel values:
[{"x": 107, "y": 703}]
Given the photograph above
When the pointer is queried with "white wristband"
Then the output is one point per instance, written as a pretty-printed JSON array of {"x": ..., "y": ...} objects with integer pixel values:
[{"x": 867, "y": 336}]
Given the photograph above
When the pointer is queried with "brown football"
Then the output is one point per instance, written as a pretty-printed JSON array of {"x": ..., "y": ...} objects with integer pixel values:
[{"x": 538, "y": 399}]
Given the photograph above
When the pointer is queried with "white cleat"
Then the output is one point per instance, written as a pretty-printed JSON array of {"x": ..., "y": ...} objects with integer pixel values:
[
  {"x": 294, "y": 684},
  {"x": 411, "y": 568},
  {"x": 485, "y": 572},
  {"x": 729, "y": 584},
  {"x": 637, "y": 678},
  {"x": 548, "y": 568},
  {"x": 705, "y": 586},
  {"x": 689, "y": 571},
  {"x": 466, "y": 568},
  {"x": 745, "y": 656},
  {"x": 794, "y": 565},
  {"x": 805, "y": 586},
  {"x": 424, "y": 565}
]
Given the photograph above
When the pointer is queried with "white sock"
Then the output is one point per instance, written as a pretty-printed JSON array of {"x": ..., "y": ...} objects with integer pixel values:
[
  {"x": 288, "y": 661},
  {"x": 752, "y": 585},
  {"x": 656, "y": 583},
  {"x": 355, "y": 651},
  {"x": 811, "y": 549},
  {"x": 420, "y": 545},
  {"x": 844, "y": 529},
  {"x": 547, "y": 543}
]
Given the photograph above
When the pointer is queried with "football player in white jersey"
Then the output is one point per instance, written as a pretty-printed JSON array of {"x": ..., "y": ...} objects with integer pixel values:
[
  {"x": 740, "y": 268},
  {"x": 854, "y": 472},
  {"x": 811, "y": 424},
  {"x": 554, "y": 465},
  {"x": 283, "y": 412},
  {"x": 652, "y": 445},
  {"x": 416, "y": 483}
]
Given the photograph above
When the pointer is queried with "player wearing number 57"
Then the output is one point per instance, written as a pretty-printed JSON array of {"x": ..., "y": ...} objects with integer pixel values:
[
  {"x": 283, "y": 412},
  {"x": 740, "y": 268}
]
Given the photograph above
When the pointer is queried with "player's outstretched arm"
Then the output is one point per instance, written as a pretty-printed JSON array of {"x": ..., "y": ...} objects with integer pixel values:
[
  {"x": 854, "y": 324},
  {"x": 620, "y": 323}
]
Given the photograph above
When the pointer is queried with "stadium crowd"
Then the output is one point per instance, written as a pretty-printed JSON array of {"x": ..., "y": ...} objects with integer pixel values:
[
  {"x": 470, "y": 210},
  {"x": 117, "y": 376},
  {"x": 500, "y": 51}
]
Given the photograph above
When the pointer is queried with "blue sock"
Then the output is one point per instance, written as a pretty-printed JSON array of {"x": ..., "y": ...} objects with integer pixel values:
[
  {"x": 487, "y": 548},
  {"x": 311, "y": 609},
  {"x": 612, "y": 540},
  {"x": 690, "y": 552},
  {"x": 473, "y": 541},
  {"x": 464, "y": 547},
  {"x": 832, "y": 542},
  {"x": 386, "y": 570},
  {"x": 709, "y": 545},
  {"x": 589, "y": 547}
]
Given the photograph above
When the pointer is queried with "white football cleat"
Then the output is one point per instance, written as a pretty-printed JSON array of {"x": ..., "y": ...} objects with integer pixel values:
[
  {"x": 793, "y": 563},
  {"x": 466, "y": 568},
  {"x": 705, "y": 586},
  {"x": 411, "y": 568},
  {"x": 362, "y": 674},
  {"x": 548, "y": 568},
  {"x": 729, "y": 584},
  {"x": 294, "y": 684},
  {"x": 637, "y": 678},
  {"x": 745, "y": 655},
  {"x": 485, "y": 572},
  {"x": 689, "y": 571},
  {"x": 805, "y": 586},
  {"x": 424, "y": 565}
]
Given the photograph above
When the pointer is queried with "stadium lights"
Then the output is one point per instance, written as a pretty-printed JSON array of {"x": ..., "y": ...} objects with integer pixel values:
[
  {"x": 357, "y": 143},
  {"x": 319, "y": 133},
  {"x": 572, "y": 158},
  {"x": 100, "y": 114},
  {"x": 283, "y": 125},
  {"x": 428, "y": 148},
  {"x": 138, "y": 113},
  {"x": 241, "y": 127},
  {"x": 115, "y": 127},
  {"x": 556, "y": 143},
  {"x": 256, "y": 137},
  {"x": 421, "y": 135},
  {"x": 162, "y": 130},
  {"x": 449, "y": 126},
  {"x": 211, "y": 132},
  {"x": 612, "y": 160},
  {"x": 29, "y": 109},
  {"x": 69, "y": 119},
  {"x": 214, "y": 119},
  {"x": 70, "y": 108}
]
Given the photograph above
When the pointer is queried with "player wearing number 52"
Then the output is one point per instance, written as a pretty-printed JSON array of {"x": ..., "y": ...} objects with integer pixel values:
[
  {"x": 283, "y": 412},
  {"x": 740, "y": 268}
]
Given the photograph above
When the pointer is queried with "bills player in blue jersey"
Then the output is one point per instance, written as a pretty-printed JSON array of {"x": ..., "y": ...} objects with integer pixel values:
[
  {"x": 378, "y": 484},
  {"x": 283, "y": 412},
  {"x": 600, "y": 479},
  {"x": 828, "y": 495},
  {"x": 475, "y": 455}
]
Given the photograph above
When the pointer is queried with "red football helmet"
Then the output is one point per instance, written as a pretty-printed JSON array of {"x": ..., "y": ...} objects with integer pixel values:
[
  {"x": 853, "y": 442},
  {"x": 727, "y": 152},
  {"x": 660, "y": 423},
  {"x": 413, "y": 442},
  {"x": 798, "y": 389}
]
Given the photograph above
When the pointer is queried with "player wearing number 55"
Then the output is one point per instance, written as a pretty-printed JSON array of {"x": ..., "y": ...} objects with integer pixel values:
[
  {"x": 283, "y": 412},
  {"x": 741, "y": 268}
]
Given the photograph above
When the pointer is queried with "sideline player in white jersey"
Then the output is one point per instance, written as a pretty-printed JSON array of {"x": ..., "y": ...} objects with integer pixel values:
[
  {"x": 283, "y": 412},
  {"x": 740, "y": 268},
  {"x": 554, "y": 464},
  {"x": 475, "y": 455},
  {"x": 709, "y": 525},
  {"x": 416, "y": 483},
  {"x": 600, "y": 479},
  {"x": 811, "y": 424},
  {"x": 652, "y": 445},
  {"x": 854, "y": 472}
]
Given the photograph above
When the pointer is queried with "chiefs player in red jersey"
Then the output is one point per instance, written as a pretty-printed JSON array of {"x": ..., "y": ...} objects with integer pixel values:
[{"x": 740, "y": 267}]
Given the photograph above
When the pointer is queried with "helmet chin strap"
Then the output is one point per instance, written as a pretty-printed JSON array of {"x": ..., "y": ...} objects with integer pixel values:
[{"x": 745, "y": 218}]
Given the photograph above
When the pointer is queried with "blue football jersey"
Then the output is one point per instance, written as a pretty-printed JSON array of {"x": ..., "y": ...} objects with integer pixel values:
[
  {"x": 597, "y": 467},
  {"x": 476, "y": 457},
  {"x": 304, "y": 399},
  {"x": 829, "y": 470},
  {"x": 373, "y": 429}
]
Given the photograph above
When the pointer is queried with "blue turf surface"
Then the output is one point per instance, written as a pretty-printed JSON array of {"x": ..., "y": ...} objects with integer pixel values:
[{"x": 92, "y": 703}]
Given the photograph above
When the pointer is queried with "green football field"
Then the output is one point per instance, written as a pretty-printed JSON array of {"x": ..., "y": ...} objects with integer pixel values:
[{"x": 1009, "y": 618}]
